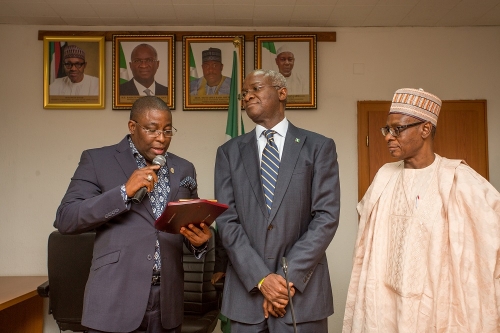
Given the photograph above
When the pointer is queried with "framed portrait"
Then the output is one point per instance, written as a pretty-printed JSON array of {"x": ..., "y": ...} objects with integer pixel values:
[
  {"x": 143, "y": 65},
  {"x": 295, "y": 58},
  {"x": 207, "y": 70},
  {"x": 73, "y": 72}
]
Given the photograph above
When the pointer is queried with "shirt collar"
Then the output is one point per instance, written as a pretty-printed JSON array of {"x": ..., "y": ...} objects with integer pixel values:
[{"x": 280, "y": 128}]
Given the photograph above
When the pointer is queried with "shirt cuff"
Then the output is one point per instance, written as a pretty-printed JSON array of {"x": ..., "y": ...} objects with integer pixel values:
[{"x": 126, "y": 199}]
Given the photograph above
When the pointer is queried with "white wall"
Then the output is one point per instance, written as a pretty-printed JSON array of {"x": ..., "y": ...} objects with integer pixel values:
[{"x": 40, "y": 149}]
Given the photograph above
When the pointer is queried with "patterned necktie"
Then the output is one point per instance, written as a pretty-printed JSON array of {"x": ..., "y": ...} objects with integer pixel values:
[
  {"x": 158, "y": 198},
  {"x": 148, "y": 92},
  {"x": 269, "y": 168}
]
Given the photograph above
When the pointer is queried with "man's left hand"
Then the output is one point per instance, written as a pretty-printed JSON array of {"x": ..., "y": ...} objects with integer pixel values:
[{"x": 197, "y": 236}]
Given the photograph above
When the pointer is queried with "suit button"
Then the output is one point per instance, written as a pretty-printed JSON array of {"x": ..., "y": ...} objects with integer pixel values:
[
  {"x": 150, "y": 257},
  {"x": 270, "y": 227}
]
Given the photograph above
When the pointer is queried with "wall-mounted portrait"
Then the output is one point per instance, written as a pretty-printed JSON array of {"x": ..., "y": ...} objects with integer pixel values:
[
  {"x": 73, "y": 72},
  {"x": 208, "y": 65},
  {"x": 295, "y": 58},
  {"x": 143, "y": 65}
]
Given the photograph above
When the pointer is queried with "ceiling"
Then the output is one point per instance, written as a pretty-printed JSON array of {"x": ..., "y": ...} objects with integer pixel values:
[{"x": 252, "y": 13}]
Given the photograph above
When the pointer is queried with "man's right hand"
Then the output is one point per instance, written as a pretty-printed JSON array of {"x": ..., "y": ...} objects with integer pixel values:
[
  {"x": 139, "y": 179},
  {"x": 274, "y": 290}
]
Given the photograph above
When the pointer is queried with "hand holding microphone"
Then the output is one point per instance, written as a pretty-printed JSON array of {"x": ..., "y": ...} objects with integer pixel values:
[{"x": 142, "y": 180}]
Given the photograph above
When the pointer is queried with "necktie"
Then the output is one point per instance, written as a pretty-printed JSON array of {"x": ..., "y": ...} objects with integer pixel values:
[
  {"x": 148, "y": 92},
  {"x": 269, "y": 168},
  {"x": 158, "y": 198}
]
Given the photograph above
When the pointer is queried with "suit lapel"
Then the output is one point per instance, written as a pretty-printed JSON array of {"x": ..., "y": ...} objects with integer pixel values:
[
  {"x": 173, "y": 179},
  {"x": 293, "y": 144},
  {"x": 250, "y": 160}
]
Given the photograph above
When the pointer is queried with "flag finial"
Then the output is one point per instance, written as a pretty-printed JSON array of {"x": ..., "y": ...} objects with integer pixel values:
[{"x": 237, "y": 41}]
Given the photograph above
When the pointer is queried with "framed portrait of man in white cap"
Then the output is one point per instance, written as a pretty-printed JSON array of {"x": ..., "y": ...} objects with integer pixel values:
[
  {"x": 211, "y": 65},
  {"x": 143, "y": 65},
  {"x": 295, "y": 58},
  {"x": 73, "y": 72}
]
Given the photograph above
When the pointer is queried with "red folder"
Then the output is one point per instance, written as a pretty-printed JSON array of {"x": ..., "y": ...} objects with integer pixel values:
[{"x": 181, "y": 213}]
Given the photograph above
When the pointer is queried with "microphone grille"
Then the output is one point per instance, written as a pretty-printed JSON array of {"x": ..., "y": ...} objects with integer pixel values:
[{"x": 159, "y": 160}]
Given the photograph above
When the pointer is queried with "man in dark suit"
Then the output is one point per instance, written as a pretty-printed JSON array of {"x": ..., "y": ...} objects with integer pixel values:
[
  {"x": 293, "y": 214},
  {"x": 136, "y": 279},
  {"x": 143, "y": 63}
]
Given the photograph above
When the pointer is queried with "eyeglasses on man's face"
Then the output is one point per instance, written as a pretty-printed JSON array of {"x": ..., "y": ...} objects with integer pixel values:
[
  {"x": 255, "y": 90},
  {"x": 156, "y": 133},
  {"x": 148, "y": 61},
  {"x": 78, "y": 65},
  {"x": 396, "y": 131}
]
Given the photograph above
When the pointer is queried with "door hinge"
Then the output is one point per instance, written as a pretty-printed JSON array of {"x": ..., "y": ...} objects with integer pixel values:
[{"x": 367, "y": 141}]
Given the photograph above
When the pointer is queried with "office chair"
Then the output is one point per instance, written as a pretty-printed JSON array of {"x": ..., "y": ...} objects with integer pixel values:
[
  {"x": 201, "y": 299},
  {"x": 69, "y": 261}
]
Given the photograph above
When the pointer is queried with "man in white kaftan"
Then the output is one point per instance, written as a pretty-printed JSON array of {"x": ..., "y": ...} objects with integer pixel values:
[{"x": 427, "y": 252}]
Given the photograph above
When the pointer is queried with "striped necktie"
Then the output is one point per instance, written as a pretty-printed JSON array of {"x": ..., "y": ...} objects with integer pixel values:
[
  {"x": 148, "y": 92},
  {"x": 269, "y": 168}
]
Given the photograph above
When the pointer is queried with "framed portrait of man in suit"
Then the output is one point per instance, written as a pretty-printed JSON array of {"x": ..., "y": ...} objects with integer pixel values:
[
  {"x": 143, "y": 65},
  {"x": 73, "y": 72},
  {"x": 208, "y": 66},
  {"x": 295, "y": 58}
]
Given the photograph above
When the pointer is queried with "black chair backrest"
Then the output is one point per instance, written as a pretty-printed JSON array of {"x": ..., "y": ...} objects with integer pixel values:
[
  {"x": 69, "y": 261},
  {"x": 201, "y": 300}
]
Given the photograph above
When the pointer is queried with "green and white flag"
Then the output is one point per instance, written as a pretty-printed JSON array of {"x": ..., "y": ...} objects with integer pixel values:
[
  {"x": 233, "y": 112},
  {"x": 269, "y": 46},
  {"x": 193, "y": 73},
  {"x": 123, "y": 67}
]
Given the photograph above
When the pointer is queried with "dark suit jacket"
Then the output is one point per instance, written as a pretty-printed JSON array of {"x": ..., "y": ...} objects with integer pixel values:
[
  {"x": 129, "y": 88},
  {"x": 302, "y": 223},
  {"x": 118, "y": 287}
]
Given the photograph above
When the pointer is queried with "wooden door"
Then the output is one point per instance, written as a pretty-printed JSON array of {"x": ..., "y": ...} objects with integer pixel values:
[{"x": 461, "y": 133}]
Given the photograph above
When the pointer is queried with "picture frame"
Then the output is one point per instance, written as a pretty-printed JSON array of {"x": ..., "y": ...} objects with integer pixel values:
[
  {"x": 151, "y": 72},
  {"x": 207, "y": 69},
  {"x": 298, "y": 65},
  {"x": 73, "y": 88}
]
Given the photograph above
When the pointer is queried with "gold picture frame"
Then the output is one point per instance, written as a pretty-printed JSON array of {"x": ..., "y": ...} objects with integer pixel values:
[
  {"x": 297, "y": 64},
  {"x": 197, "y": 91},
  {"x": 73, "y": 88},
  {"x": 130, "y": 74}
]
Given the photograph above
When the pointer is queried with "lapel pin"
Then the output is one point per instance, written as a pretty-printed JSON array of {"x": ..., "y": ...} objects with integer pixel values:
[
  {"x": 172, "y": 170},
  {"x": 297, "y": 140}
]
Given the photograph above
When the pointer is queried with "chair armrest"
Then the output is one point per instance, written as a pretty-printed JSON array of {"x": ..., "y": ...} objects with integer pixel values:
[{"x": 43, "y": 289}]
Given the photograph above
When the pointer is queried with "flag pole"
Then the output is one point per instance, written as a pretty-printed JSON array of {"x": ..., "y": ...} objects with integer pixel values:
[{"x": 237, "y": 44}]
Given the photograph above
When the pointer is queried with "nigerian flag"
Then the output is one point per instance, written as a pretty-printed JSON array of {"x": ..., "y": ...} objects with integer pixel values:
[
  {"x": 269, "y": 46},
  {"x": 56, "y": 50},
  {"x": 123, "y": 67},
  {"x": 193, "y": 73},
  {"x": 233, "y": 112}
]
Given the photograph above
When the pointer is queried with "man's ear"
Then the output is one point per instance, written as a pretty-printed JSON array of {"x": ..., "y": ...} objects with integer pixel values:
[
  {"x": 426, "y": 130},
  {"x": 282, "y": 93},
  {"x": 131, "y": 126}
]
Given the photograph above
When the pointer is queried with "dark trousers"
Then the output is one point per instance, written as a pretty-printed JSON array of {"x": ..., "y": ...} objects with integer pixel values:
[
  {"x": 277, "y": 325},
  {"x": 151, "y": 323}
]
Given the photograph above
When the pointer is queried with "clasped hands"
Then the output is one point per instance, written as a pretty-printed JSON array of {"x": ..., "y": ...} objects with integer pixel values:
[
  {"x": 275, "y": 295},
  {"x": 147, "y": 177}
]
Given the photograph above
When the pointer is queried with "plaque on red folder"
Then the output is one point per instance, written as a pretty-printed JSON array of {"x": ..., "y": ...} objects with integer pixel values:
[{"x": 181, "y": 213}]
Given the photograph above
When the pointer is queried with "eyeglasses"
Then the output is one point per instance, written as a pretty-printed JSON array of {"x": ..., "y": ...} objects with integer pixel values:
[
  {"x": 156, "y": 133},
  {"x": 255, "y": 90},
  {"x": 396, "y": 131},
  {"x": 148, "y": 61},
  {"x": 78, "y": 65}
]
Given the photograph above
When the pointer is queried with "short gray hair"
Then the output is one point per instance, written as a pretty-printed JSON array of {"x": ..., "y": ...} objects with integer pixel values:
[
  {"x": 147, "y": 103},
  {"x": 277, "y": 79}
]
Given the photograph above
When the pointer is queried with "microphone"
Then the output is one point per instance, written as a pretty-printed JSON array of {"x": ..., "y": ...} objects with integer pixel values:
[
  {"x": 285, "y": 270},
  {"x": 139, "y": 195}
]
